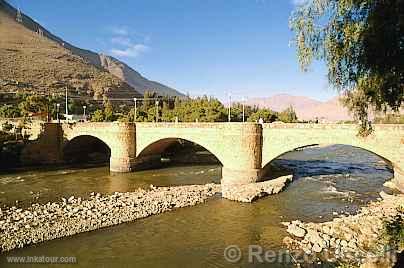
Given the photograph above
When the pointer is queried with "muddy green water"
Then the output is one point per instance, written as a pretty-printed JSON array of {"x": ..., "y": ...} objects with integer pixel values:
[{"x": 329, "y": 179}]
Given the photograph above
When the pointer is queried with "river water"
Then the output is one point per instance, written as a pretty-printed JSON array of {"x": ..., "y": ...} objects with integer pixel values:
[{"x": 328, "y": 180}]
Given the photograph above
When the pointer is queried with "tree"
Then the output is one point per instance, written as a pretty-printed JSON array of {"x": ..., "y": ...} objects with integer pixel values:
[
  {"x": 361, "y": 42},
  {"x": 109, "y": 115},
  {"x": 9, "y": 111},
  {"x": 148, "y": 100},
  {"x": 34, "y": 104},
  {"x": 288, "y": 115},
  {"x": 167, "y": 113},
  {"x": 76, "y": 106},
  {"x": 98, "y": 116},
  {"x": 267, "y": 115},
  {"x": 7, "y": 127}
]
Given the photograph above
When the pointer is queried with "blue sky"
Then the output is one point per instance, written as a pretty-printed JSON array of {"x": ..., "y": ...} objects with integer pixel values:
[{"x": 198, "y": 46}]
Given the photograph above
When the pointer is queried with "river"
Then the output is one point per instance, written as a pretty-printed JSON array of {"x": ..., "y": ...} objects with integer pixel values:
[{"x": 328, "y": 180}]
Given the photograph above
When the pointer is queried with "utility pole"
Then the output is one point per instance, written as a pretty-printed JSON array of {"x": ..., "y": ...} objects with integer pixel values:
[
  {"x": 67, "y": 109},
  {"x": 243, "y": 102},
  {"x": 229, "y": 111},
  {"x": 57, "y": 114},
  {"x": 157, "y": 110},
  {"x": 84, "y": 112},
  {"x": 135, "y": 99}
]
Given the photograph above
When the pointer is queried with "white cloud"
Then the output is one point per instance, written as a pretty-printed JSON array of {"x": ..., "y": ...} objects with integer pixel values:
[
  {"x": 131, "y": 51},
  {"x": 123, "y": 45},
  {"x": 121, "y": 30},
  {"x": 120, "y": 40},
  {"x": 299, "y": 2}
]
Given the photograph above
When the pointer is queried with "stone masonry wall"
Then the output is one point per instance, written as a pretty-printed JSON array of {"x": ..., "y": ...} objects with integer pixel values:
[
  {"x": 242, "y": 148},
  {"x": 236, "y": 145},
  {"x": 386, "y": 141},
  {"x": 120, "y": 138}
]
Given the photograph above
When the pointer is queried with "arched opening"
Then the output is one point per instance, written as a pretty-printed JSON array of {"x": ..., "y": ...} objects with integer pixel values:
[
  {"x": 175, "y": 151},
  {"x": 331, "y": 154},
  {"x": 332, "y": 179},
  {"x": 86, "y": 149}
]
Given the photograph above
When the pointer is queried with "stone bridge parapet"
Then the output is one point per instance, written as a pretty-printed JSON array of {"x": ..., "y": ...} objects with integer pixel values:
[{"x": 244, "y": 149}]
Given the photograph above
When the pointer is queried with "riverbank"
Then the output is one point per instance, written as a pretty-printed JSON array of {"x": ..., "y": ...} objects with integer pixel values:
[
  {"x": 72, "y": 215},
  {"x": 251, "y": 192},
  {"x": 42, "y": 222},
  {"x": 353, "y": 239}
]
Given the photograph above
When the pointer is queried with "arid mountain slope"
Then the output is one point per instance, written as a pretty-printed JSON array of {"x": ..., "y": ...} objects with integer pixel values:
[
  {"x": 29, "y": 61},
  {"x": 280, "y": 102},
  {"x": 130, "y": 76},
  {"x": 306, "y": 108},
  {"x": 102, "y": 62}
]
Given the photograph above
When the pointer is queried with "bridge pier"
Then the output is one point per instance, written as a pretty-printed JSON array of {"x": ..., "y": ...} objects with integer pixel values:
[
  {"x": 121, "y": 164},
  {"x": 240, "y": 176},
  {"x": 122, "y": 143},
  {"x": 245, "y": 155}
]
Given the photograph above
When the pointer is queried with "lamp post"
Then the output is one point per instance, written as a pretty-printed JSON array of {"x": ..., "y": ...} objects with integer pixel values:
[
  {"x": 57, "y": 112},
  {"x": 67, "y": 108},
  {"x": 84, "y": 112},
  {"x": 157, "y": 110},
  {"x": 229, "y": 111},
  {"x": 135, "y": 99},
  {"x": 243, "y": 102}
]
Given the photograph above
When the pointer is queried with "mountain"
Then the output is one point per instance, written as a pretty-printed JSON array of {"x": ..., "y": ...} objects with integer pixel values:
[
  {"x": 331, "y": 110},
  {"x": 306, "y": 108},
  {"x": 133, "y": 78},
  {"x": 27, "y": 33},
  {"x": 282, "y": 101}
]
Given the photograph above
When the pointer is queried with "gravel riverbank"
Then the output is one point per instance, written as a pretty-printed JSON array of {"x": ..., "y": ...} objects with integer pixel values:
[
  {"x": 42, "y": 222},
  {"x": 354, "y": 239},
  {"x": 251, "y": 192}
]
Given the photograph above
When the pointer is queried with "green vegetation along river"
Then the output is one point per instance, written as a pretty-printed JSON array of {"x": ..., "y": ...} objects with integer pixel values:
[{"x": 329, "y": 180}]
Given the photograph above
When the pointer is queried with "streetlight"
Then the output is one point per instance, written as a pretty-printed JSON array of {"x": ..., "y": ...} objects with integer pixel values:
[
  {"x": 243, "y": 102},
  {"x": 67, "y": 109},
  {"x": 57, "y": 113},
  {"x": 84, "y": 112},
  {"x": 157, "y": 110},
  {"x": 135, "y": 99},
  {"x": 229, "y": 107}
]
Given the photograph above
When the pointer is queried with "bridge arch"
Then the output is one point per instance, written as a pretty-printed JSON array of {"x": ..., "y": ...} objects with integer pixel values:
[
  {"x": 236, "y": 145},
  {"x": 265, "y": 166},
  {"x": 387, "y": 141},
  {"x": 119, "y": 137},
  {"x": 153, "y": 152},
  {"x": 84, "y": 148},
  {"x": 287, "y": 149},
  {"x": 159, "y": 146}
]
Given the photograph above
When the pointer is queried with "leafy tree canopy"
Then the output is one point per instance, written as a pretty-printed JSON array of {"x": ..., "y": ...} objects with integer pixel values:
[
  {"x": 362, "y": 43},
  {"x": 267, "y": 115},
  {"x": 9, "y": 111},
  {"x": 98, "y": 116},
  {"x": 288, "y": 115}
]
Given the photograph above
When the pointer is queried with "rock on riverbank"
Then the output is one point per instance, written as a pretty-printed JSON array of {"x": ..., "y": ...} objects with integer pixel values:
[
  {"x": 253, "y": 191},
  {"x": 38, "y": 223},
  {"x": 351, "y": 239}
]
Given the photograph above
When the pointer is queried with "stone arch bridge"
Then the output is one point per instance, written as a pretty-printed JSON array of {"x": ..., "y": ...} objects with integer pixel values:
[{"x": 244, "y": 149}]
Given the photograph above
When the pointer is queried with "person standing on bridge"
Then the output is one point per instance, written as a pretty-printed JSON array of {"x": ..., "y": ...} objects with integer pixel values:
[{"x": 261, "y": 121}]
